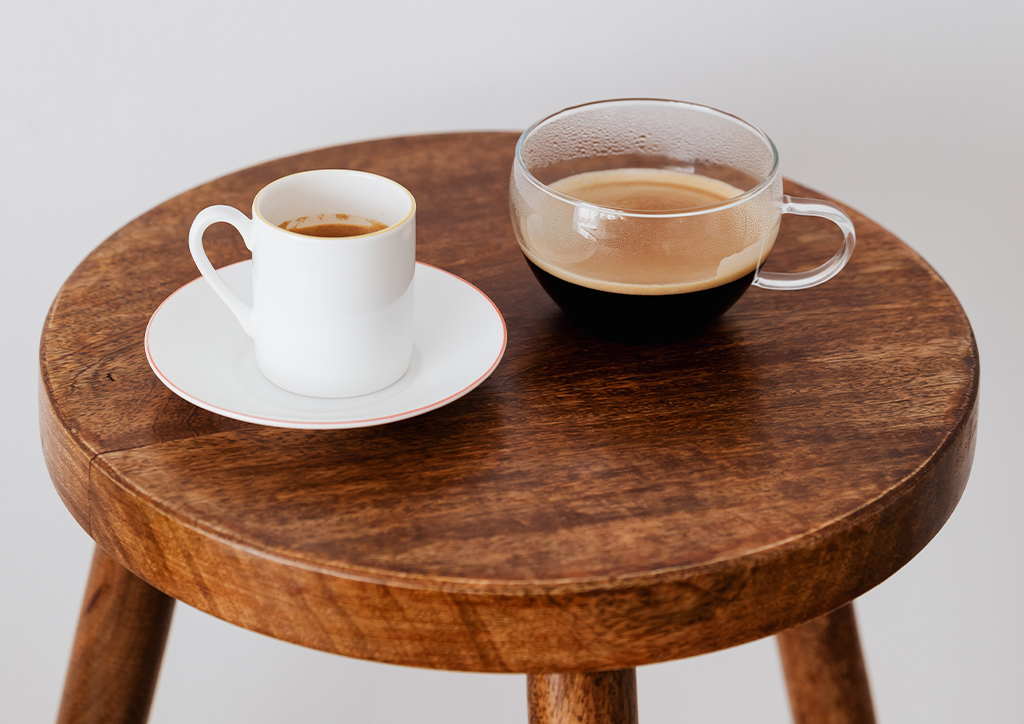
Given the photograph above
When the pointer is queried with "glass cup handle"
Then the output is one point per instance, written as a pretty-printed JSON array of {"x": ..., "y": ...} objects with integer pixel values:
[
  {"x": 814, "y": 277},
  {"x": 207, "y": 217}
]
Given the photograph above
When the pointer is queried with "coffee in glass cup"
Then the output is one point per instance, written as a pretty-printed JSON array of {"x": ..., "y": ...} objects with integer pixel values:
[{"x": 648, "y": 219}]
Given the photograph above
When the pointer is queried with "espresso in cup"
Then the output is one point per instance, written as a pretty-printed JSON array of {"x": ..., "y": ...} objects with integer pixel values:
[
  {"x": 328, "y": 318},
  {"x": 648, "y": 219},
  {"x": 333, "y": 225}
]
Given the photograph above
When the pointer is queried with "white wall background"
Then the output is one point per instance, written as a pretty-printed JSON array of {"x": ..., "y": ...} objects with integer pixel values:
[{"x": 910, "y": 111}]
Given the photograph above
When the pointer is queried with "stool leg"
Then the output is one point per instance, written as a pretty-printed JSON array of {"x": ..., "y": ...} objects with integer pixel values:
[
  {"x": 120, "y": 641},
  {"x": 607, "y": 697},
  {"x": 825, "y": 672}
]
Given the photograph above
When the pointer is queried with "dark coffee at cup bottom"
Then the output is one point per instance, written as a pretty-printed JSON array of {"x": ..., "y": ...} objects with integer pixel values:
[{"x": 641, "y": 317}]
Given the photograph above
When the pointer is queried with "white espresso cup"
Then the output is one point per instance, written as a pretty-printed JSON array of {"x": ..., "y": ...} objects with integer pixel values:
[{"x": 330, "y": 316}]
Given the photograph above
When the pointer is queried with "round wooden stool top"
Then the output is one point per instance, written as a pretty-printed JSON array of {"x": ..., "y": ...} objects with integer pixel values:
[{"x": 591, "y": 506}]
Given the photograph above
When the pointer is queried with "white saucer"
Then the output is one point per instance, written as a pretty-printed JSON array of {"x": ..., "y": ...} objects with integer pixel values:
[{"x": 197, "y": 348}]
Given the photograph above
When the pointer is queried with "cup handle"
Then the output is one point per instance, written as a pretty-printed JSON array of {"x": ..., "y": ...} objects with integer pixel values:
[
  {"x": 207, "y": 217},
  {"x": 814, "y": 277}
]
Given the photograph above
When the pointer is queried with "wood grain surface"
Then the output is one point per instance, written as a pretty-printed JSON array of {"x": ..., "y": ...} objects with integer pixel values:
[
  {"x": 825, "y": 672},
  {"x": 592, "y": 506},
  {"x": 607, "y": 697},
  {"x": 118, "y": 648}
]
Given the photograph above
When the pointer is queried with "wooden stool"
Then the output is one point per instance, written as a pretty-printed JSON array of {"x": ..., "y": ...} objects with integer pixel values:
[{"x": 591, "y": 508}]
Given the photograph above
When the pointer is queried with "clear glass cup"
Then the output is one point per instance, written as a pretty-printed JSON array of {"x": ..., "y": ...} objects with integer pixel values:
[{"x": 631, "y": 267}]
